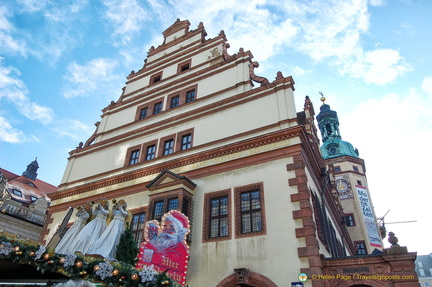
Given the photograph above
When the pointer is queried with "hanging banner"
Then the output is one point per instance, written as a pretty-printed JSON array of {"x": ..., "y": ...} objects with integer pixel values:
[
  {"x": 368, "y": 217},
  {"x": 165, "y": 245}
]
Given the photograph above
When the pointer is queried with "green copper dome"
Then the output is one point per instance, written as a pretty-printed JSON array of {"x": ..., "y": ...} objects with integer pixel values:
[{"x": 333, "y": 145}]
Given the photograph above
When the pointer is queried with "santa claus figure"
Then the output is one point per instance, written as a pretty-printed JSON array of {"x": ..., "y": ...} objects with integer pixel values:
[{"x": 165, "y": 246}]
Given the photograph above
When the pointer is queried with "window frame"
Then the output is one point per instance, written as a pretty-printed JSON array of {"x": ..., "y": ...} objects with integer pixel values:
[
  {"x": 162, "y": 144},
  {"x": 180, "y": 194},
  {"x": 144, "y": 150},
  {"x": 156, "y": 78},
  {"x": 208, "y": 197},
  {"x": 170, "y": 100},
  {"x": 187, "y": 99},
  {"x": 129, "y": 152},
  {"x": 356, "y": 243},
  {"x": 138, "y": 212},
  {"x": 139, "y": 109},
  {"x": 17, "y": 192},
  {"x": 352, "y": 219},
  {"x": 238, "y": 191},
  {"x": 183, "y": 64},
  {"x": 159, "y": 104},
  {"x": 179, "y": 140}
]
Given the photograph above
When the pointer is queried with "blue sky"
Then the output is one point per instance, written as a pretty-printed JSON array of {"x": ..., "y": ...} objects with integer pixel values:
[{"x": 62, "y": 62}]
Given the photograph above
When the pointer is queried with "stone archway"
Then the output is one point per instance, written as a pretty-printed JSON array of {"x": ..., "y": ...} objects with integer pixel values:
[{"x": 242, "y": 277}]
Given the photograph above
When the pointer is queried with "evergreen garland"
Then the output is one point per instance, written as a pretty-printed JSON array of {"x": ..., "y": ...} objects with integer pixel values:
[
  {"x": 79, "y": 267},
  {"x": 127, "y": 249}
]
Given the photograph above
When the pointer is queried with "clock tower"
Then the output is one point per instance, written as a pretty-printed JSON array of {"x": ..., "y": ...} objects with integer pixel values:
[{"x": 348, "y": 172}]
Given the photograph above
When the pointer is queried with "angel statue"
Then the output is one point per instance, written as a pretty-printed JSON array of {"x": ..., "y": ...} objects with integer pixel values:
[
  {"x": 93, "y": 230},
  {"x": 106, "y": 245},
  {"x": 83, "y": 215}
]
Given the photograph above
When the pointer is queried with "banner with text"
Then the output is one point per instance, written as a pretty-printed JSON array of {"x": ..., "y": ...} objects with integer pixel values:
[{"x": 368, "y": 216}]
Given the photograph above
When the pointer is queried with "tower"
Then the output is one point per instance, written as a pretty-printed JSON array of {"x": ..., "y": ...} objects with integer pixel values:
[
  {"x": 31, "y": 171},
  {"x": 350, "y": 182}
]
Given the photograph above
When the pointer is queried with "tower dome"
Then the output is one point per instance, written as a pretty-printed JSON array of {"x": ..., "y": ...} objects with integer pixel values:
[{"x": 328, "y": 124}]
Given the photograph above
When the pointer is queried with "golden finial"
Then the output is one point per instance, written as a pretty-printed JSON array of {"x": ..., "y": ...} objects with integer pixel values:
[{"x": 322, "y": 97}]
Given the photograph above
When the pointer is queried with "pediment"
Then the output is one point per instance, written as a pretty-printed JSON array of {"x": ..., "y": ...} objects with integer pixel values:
[
  {"x": 177, "y": 26},
  {"x": 168, "y": 179}
]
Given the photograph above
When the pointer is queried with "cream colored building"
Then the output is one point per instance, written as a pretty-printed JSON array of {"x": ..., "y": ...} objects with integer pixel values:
[{"x": 196, "y": 128}]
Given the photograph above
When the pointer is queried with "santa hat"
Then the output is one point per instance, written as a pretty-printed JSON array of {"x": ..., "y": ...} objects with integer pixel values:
[{"x": 180, "y": 221}]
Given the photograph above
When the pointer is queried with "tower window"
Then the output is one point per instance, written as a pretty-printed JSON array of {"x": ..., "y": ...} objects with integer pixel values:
[
  {"x": 349, "y": 220},
  {"x": 361, "y": 248},
  {"x": 355, "y": 168}
]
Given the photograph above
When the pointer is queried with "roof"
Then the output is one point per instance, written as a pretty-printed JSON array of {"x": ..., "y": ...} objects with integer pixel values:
[
  {"x": 424, "y": 262},
  {"x": 27, "y": 188}
]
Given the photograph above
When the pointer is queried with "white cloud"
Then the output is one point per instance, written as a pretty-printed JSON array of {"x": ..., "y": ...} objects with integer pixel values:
[
  {"x": 380, "y": 66},
  {"x": 127, "y": 17},
  {"x": 13, "y": 90},
  {"x": 10, "y": 134},
  {"x": 96, "y": 77},
  {"x": 8, "y": 43},
  {"x": 393, "y": 136}
]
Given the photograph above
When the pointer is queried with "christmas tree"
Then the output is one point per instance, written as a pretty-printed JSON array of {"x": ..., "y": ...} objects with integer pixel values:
[{"x": 127, "y": 249}]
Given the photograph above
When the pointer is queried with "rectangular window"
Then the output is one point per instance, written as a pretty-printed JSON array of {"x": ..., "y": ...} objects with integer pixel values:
[
  {"x": 337, "y": 168},
  {"x": 175, "y": 101},
  {"x": 143, "y": 113},
  {"x": 359, "y": 182},
  {"x": 355, "y": 168},
  {"x": 349, "y": 220},
  {"x": 134, "y": 157},
  {"x": 151, "y": 150},
  {"x": 190, "y": 96},
  {"x": 219, "y": 217},
  {"x": 251, "y": 212},
  {"x": 156, "y": 78},
  {"x": 168, "y": 147},
  {"x": 249, "y": 203},
  {"x": 172, "y": 204},
  {"x": 184, "y": 66},
  {"x": 361, "y": 248},
  {"x": 186, "y": 142},
  {"x": 137, "y": 227},
  {"x": 157, "y": 108},
  {"x": 158, "y": 210}
]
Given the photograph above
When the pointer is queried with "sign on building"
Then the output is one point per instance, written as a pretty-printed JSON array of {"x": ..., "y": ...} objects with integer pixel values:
[{"x": 165, "y": 245}]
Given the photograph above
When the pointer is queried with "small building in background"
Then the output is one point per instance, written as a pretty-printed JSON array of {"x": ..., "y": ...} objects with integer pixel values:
[
  {"x": 423, "y": 267},
  {"x": 23, "y": 202}
]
